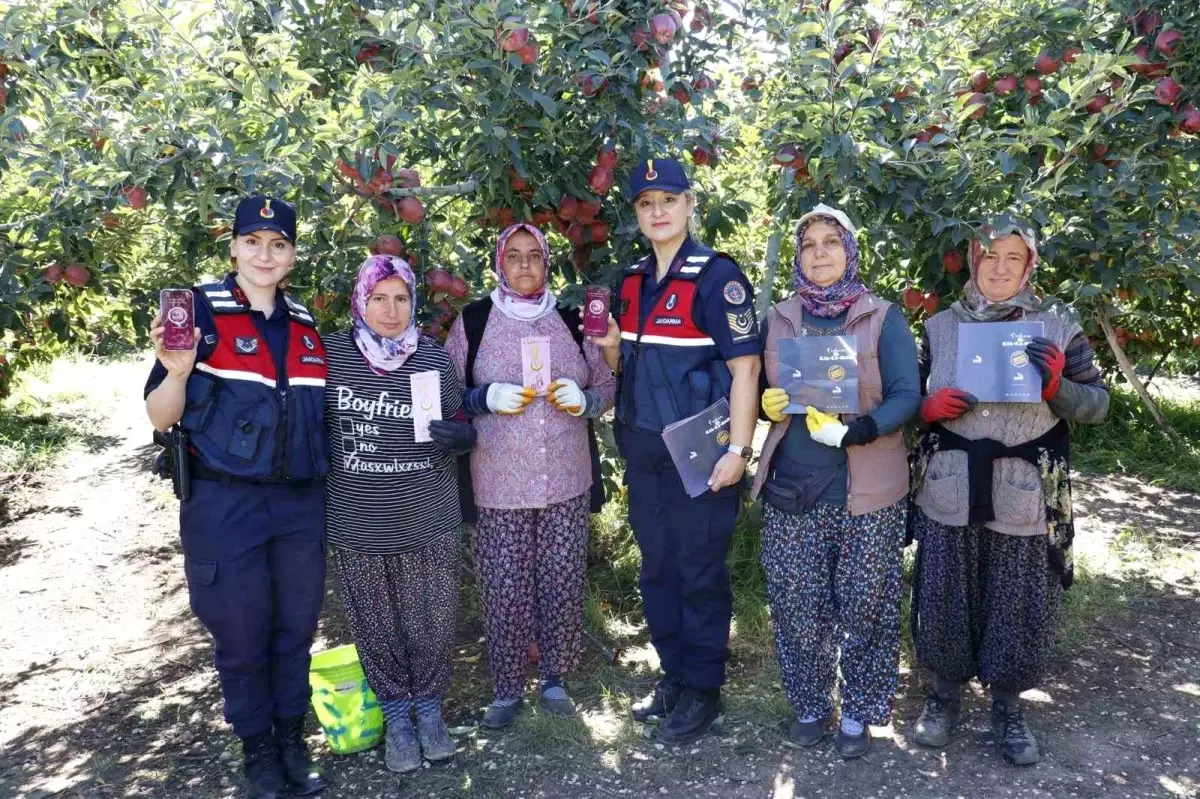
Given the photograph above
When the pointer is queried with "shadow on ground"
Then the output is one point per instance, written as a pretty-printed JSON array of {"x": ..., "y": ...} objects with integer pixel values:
[{"x": 1115, "y": 718}]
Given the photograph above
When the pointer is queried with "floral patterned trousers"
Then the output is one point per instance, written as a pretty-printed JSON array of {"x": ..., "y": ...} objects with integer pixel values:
[
  {"x": 833, "y": 581},
  {"x": 531, "y": 565}
]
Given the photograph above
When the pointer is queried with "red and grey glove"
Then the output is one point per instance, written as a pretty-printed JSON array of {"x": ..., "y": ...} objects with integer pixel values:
[
  {"x": 1049, "y": 360},
  {"x": 945, "y": 404}
]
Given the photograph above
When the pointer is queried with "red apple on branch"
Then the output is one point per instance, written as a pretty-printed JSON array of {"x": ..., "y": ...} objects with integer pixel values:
[
  {"x": 1167, "y": 91},
  {"x": 135, "y": 196},
  {"x": 513, "y": 39},
  {"x": 1005, "y": 85},
  {"x": 568, "y": 207},
  {"x": 78, "y": 275},
  {"x": 389, "y": 245},
  {"x": 607, "y": 158},
  {"x": 1167, "y": 41},
  {"x": 600, "y": 180},
  {"x": 1045, "y": 63},
  {"x": 411, "y": 210}
]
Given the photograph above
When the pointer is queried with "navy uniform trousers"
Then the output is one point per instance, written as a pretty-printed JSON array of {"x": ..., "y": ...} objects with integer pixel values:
[
  {"x": 685, "y": 580},
  {"x": 254, "y": 555}
]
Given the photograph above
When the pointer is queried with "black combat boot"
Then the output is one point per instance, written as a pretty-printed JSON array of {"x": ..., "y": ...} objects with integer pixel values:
[
  {"x": 692, "y": 717},
  {"x": 261, "y": 766},
  {"x": 304, "y": 777},
  {"x": 659, "y": 703},
  {"x": 1012, "y": 735}
]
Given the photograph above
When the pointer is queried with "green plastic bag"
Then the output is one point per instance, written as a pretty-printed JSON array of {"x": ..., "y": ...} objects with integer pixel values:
[{"x": 344, "y": 703}]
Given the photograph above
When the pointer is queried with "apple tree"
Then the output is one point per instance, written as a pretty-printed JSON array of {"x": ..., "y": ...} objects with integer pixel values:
[
  {"x": 128, "y": 132},
  {"x": 922, "y": 122}
]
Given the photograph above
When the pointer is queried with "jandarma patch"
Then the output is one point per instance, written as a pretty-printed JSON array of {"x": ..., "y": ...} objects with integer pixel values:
[
  {"x": 735, "y": 293},
  {"x": 246, "y": 345},
  {"x": 741, "y": 323}
]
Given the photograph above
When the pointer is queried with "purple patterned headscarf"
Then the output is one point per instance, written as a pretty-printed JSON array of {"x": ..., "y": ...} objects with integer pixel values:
[
  {"x": 830, "y": 301},
  {"x": 512, "y": 303},
  {"x": 383, "y": 354}
]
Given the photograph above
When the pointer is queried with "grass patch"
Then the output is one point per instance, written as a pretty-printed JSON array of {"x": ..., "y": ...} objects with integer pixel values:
[
  {"x": 1129, "y": 442},
  {"x": 1136, "y": 563},
  {"x": 33, "y": 429},
  {"x": 50, "y": 411}
]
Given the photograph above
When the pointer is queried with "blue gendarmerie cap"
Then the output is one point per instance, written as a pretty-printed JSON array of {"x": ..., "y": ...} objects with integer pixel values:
[
  {"x": 265, "y": 213},
  {"x": 665, "y": 174}
]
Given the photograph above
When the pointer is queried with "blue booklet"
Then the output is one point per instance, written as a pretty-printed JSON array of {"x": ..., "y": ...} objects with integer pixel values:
[
  {"x": 697, "y": 443},
  {"x": 992, "y": 363},
  {"x": 821, "y": 371}
]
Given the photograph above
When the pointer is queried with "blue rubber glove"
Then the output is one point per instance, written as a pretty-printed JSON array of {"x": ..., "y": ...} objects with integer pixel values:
[{"x": 456, "y": 438}]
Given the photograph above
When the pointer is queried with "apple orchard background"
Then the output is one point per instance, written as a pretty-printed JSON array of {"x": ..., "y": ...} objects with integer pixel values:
[{"x": 129, "y": 130}]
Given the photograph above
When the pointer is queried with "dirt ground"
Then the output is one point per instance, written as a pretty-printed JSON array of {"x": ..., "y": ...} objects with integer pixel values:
[{"x": 107, "y": 689}]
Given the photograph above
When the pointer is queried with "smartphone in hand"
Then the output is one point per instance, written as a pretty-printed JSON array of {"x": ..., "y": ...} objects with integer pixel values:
[
  {"x": 179, "y": 319},
  {"x": 595, "y": 311}
]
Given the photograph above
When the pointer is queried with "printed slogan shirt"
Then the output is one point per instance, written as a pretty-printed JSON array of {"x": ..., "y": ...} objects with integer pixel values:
[{"x": 387, "y": 494}]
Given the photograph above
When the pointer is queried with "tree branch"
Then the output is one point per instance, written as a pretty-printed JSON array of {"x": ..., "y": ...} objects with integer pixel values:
[{"x": 1130, "y": 375}]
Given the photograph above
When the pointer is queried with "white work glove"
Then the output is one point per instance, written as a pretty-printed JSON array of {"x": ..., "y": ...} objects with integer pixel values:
[
  {"x": 825, "y": 427},
  {"x": 507, "y": 399},
  {"x": 566, "y": 395}
]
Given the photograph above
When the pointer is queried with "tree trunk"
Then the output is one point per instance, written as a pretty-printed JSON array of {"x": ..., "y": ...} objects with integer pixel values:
[
  {"x": 1131, "y": 376},
  {"x": 763, "y": 300}
]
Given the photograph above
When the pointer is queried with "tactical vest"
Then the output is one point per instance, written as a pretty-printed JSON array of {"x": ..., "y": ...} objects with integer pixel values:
[
  {"x": 670, "y": 368},
  {"x": 242, "y": 419}
]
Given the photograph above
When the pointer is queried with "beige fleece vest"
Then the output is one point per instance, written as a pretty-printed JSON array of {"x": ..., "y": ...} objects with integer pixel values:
[{"x": 879, "y": 470}]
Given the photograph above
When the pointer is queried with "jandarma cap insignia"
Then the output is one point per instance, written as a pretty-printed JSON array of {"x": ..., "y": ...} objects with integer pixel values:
[
  {"x": 651, "y": 174},
  {"x": 267, "y": 211}
]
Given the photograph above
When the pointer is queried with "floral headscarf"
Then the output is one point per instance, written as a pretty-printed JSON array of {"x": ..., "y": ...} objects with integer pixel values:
[
  {"x": 511, "y": 303},
  {"x": 975, "y": 307},
  {"x": 833, "y": 300},
  {"x": 383, "y": 354}
]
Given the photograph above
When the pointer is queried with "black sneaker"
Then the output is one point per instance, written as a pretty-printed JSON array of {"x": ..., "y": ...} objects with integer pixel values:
[
  {"x": 808, "y": 733},
  {"x": 936, "y": 721},
  {"x": 261, "y": 766},
  {"x": 1012, "y": 735},
  {"x": 852, "y": 746},
  {"x": 659, "y": 703},
  {"x": 693, "y": 715},
  {"x": 303, "y": 776}
]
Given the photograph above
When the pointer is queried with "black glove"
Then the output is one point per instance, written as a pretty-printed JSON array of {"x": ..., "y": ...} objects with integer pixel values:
[
  {"x": 457, "y": 438},
  {"x": 862, "y": 430}
]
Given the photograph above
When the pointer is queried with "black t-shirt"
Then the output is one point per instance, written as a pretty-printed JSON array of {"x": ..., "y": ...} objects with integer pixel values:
[{"x": 386, "y": 494}]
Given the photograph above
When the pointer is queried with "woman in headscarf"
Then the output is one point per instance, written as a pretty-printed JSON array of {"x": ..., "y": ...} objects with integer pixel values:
[
  {"x": 834, "y": 491},
  {"x": 532, "y": 472},
  {"x": 392, "y": 505},
  {"x": 992, "y": 488}
]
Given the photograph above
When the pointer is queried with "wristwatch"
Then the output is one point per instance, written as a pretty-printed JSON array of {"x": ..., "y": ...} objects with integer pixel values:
[{"x": 742, "y": 452}]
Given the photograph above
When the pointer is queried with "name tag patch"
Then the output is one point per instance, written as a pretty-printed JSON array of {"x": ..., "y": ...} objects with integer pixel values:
[
  {"x": 668, "y": 320},
  {"x": 313, "y": 359},
  {"x": 246, "y": 345}
]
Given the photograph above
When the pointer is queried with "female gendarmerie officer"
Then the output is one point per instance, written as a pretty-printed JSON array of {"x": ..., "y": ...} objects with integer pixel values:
[
  {"x": 250, "y": 396},
  {"x": 685, "y": 336}
]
